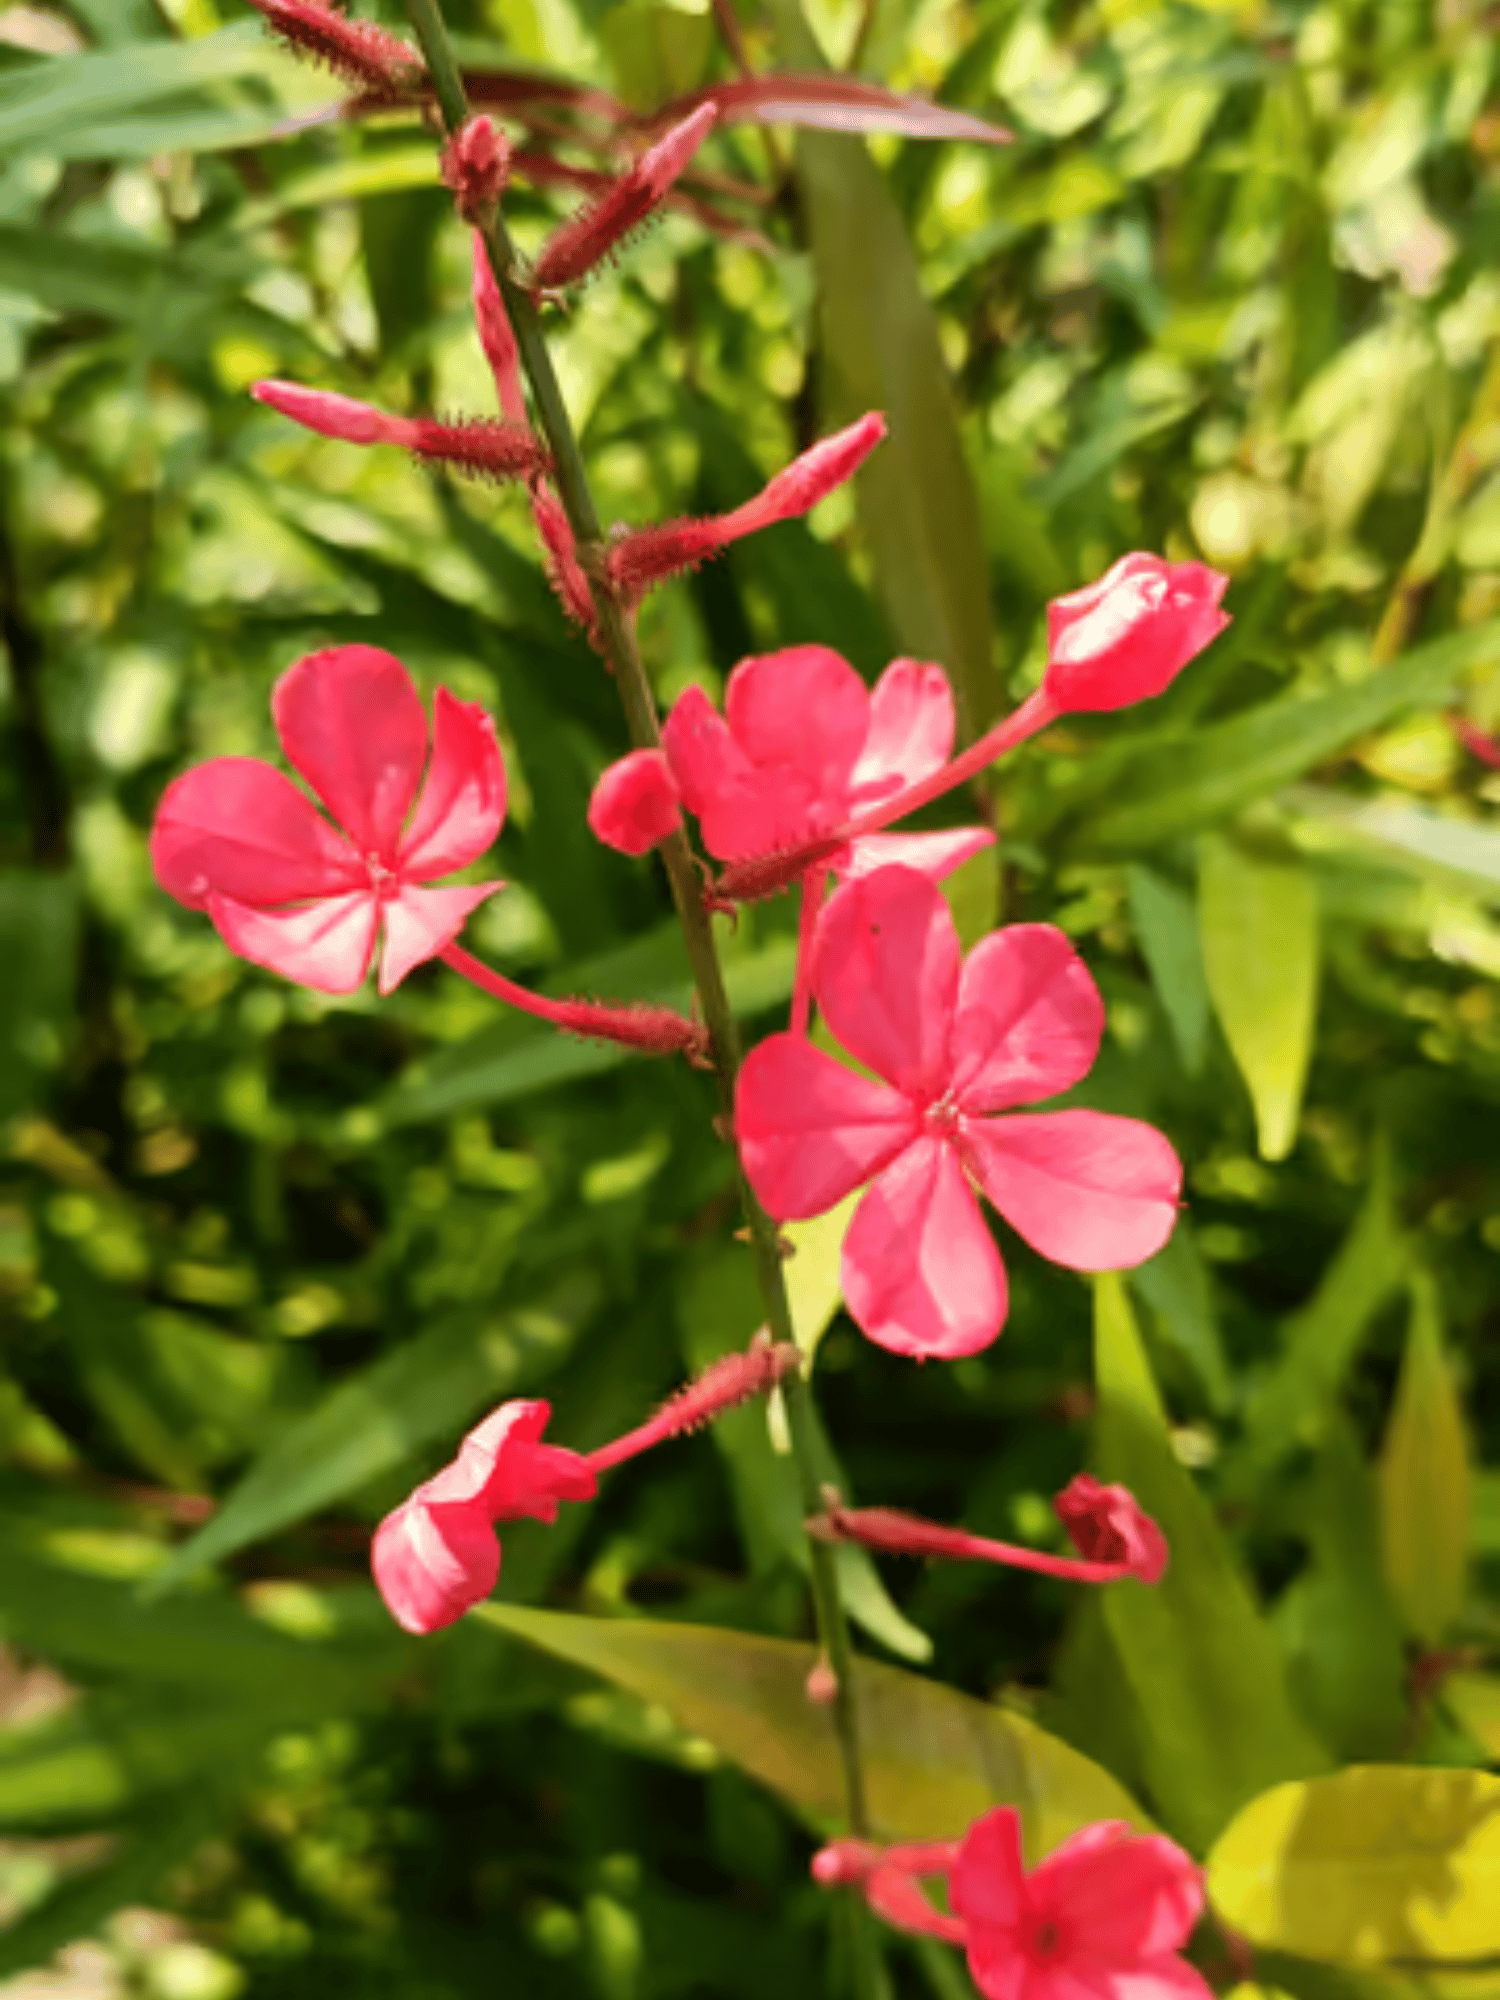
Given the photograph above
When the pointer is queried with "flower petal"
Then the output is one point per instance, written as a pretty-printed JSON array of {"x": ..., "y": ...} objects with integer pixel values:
[
  {"x": 934, "y": 855},
  {"x": 1029, "y": 1019},
  {"x": 350, "y": 720},
  {"x": 911, "y": 726},
  {"x": 504, "y": 1468},
  {"x": 1128, "y": 636},
  {"x": 1089, "y": 1190},
  {"x": 803, "y": 710},
  {"x": 885, "y": 971},
  {"x": 987, "y": 1882},
  {"x": 1125, "y": 1897},
  {"x": 431, "y": 1563},
  {"x": 634, "y": 803},
  {"x": 462, "y": 803},
  {"x": 420, "y": 922},
  {"x": 809, "y": 1130},
  {"x": 325, "y": 946},
  {"x": 740, "y": 810},
  {"x": 921, "y": 1273},
  {"x": 242, "y": 828}
]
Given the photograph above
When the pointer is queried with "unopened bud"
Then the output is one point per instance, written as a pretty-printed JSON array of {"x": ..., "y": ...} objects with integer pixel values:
[
  {"x": 822, "y": 1689},
  {"x": 586, "y": 238},
  {"x": 482, "y": 447},
  {"x": 496, "y": 336},
  {"x": 476, "y": 165},
  {"x": 332, "y": 415},
  {"x": 564, "y": 572},
  {"x": 357, "y": 52}
]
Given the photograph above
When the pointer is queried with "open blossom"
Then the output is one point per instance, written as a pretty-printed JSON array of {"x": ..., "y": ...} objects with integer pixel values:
[
  {"x": 958, "y": 1045},
  {"x": 1129, "y": 635},
  {"x": 1103, "y": 1917},
  {"x": 803, "y": 744},
  {"x": 287, "y": 889},
  {"x": 436, "y": 1554}
]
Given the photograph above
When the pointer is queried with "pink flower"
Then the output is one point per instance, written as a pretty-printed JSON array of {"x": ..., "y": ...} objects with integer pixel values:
[
  {"x": 437, "y": 1554},
  {"x": 1130, "y": 634},
  {"x": 955, "y": 1042},
  {"x": 802, "y": 745},
  {"x": 288, "y": 890},
  {"x": 1107, "y": 1524},
  {"x": 1103, "y": 1916},
  {"x": 634, "y": 804}
]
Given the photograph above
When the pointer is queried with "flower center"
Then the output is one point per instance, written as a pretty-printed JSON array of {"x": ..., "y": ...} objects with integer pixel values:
[
  {"x": 384, "y": 881},
  {"x": 1046, "y": 1940},
  {"x": 942, "y": 1118}
]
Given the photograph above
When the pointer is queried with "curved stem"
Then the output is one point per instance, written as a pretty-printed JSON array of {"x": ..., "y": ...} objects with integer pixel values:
[{"x": 617, "y": 637}]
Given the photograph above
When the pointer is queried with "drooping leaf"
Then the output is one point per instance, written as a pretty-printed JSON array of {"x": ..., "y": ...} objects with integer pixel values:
[
  {"x": 434, "y": 1384},
  {"x": 1216, "y": 1721},
  {"x": 1259, "y": 925},
  {"x": 934, "y": 1759},
  {"x": 1167, "y": 928},
  {"x": 1177, "y": 1287},
  {"x": 1425, "y": 1501},
  {"x": 1371, "y": 1864},
  {"x": 1475, "y": 1700},
  {"x": 833, "y": 104}
]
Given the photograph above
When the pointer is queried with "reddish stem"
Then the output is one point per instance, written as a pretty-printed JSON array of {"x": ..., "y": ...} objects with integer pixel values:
[{"x": 896, "y": 1533}]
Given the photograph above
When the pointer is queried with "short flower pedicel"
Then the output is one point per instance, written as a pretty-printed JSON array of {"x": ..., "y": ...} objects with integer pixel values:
[{"x": 956, "y": 1042}]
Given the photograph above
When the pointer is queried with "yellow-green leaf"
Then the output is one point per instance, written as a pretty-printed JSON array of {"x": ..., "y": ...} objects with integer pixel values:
[
  {"x": 1377, "y": 1862},
  {"x": 1475, "y": 1700},
  {"x": 1259, "y": 925},
  {"x": 1425, "y": 1500},
  {"x": 934, "y": 1758},
  {"x": 814, "y": 1288}
]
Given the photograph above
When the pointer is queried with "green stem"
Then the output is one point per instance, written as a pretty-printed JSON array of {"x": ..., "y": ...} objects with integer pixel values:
[{"x": 617, "y": 636}]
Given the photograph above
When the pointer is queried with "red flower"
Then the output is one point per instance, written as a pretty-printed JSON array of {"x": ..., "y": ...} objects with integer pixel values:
[
  {"x": 634, "y": 804},
  {"x": 1130, "y": 634},
  {"x": 288, "y": 890},
  {"x": 802, "y": 745},
  {"x": 955, "y": 1042},
  {"x": 1107, "y": 1524}
]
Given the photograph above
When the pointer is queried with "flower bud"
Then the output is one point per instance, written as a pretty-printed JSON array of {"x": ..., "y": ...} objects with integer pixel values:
[
  {"x": 475, "y": 164},
  {"x": 1129, "y": 635},
  {"x": 635, "y": 803},
  {"x": 599, "y": 227},
  {"x": 496, "y": 336},
  {"x": 1107, "y": 1524},
  {"x": 357, "y": 52}
]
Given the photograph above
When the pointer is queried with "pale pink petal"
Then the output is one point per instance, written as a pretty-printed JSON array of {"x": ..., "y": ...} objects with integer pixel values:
[
  {"x": 350, "y": 720},
  {"x": 1127, "y": 636},
  {"x": 934, "y": 855},
  {"x": 911, "y": 726},
  {"x": 809, "y": 1130},
  {"x": 1000, "y": 1969},
  {"x": 897, "y": 1898},
  {"x": 1089, "y": 1190},
  {"x": 461, "y": 807},
  {"x": 921, "y": 1273},
  {"x": 241, "y": 828},
  {"x": 1029, "y": 1019},
  {"x": 325, "y": 946},
  {"x": 802, "y": 710},
  {"x": 740, "y": 809},
  {"x": 634, "y": 804},
  {"x": 1120, "y": 1897},
  {"x": 885, "y": 971},
  {"x": 1164, "y": 1978},
  {"x": 504, "y": 1468},
  {"x": 431, "y": 1564},
  {"x": 987, "y": 1883},
  {"x": 419, "y": 923}
]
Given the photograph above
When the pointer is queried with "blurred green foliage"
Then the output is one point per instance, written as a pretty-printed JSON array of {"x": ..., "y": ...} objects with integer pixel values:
[{"x": 263, "y": 1256}]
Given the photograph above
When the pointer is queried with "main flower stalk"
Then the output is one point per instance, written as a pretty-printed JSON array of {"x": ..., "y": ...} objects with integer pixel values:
[{"x": 616, "y": 634}]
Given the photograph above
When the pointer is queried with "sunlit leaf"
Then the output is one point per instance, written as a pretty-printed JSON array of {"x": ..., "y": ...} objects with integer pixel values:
[{"x": 1424, "y": 1478}]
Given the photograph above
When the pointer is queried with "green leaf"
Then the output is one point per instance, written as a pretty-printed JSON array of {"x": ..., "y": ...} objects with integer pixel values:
[
  {"x": 934, "y": 1759},
  {"x": 814, "y": 1285},
  {"x": 421, "y": 1390},
  {"x": 1372, "y": 1864},
  {"x": 38, "y": 945},
  {"x": 1290, "y": 1405},
  {"x": 1178, "y": 1289},
  {"x": 1259, "y": 925},
  {"x": 880, "y": 351},
  {"x": 1216, "y": 1721},
  {"x": 1425, "y": 1497},
  {"x": 1475, "y": 1700},
  {"x": 1167, "y": 928},
  {"x": 1180, "y": 781}
]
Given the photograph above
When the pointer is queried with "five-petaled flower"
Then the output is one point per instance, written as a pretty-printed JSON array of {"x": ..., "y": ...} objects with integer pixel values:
[
  {"x": 802, "y": 745},
  {"x": 286, "y": 889},
  {"x": 437, "y": 1555},
  {"x": 955, "y": 1042},
  {"x": 1104, "y": 1915}
]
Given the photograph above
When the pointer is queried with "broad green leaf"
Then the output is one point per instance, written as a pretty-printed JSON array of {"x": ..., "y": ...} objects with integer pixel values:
[
  {"x": 1372, "y": 1864},
  {"x": 1290, "y": 1405},
  {"x": 1259, "y": 925},
  {"x": 423, "y": 1389},
  {"x": 656, "y": 52},
  {"x": 1425, "y": 1497},
  {"x": 1216, "y": 1721},
  {"x": 1179, "y": 782},
  {"x": 1475, "y": 1700},
  {"x": 814, "y": 1287},
  {"x": 1485, "y": 1538},
  {"x": 1167, "y": 929},
  {"x": 880, "y": 351},
  {"x": 1338, "y": 1627},
  {"x": 934, "y": 1759},
  {"x": 1178, "y": 1289}
]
